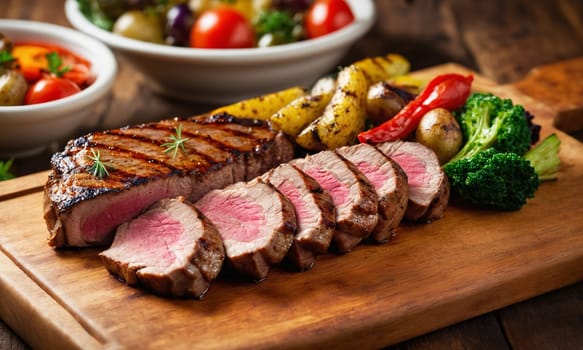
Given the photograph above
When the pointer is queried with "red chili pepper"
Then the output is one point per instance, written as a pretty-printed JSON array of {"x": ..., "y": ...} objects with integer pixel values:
[{"x": 449, "y": 91}]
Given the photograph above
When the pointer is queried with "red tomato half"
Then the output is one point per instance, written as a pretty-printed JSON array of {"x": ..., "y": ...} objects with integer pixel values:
[
  {"x": 222, "y": 28},
  {"x": 49, "y": 89},
  {"x": 327, "y": 16}
]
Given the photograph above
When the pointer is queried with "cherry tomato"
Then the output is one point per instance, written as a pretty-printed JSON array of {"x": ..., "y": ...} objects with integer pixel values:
[
  {"x": 222, "y": 28},
  {"x": 49, "y": 89},
  {"x": 327, "y": 16}
]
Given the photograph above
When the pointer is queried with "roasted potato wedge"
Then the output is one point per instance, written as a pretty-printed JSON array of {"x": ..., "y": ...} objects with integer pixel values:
[
  {"x": 324, "y": 85},
  {"x": 408, "y": 83},
  {"x": 262, "y": 107},
  {"x": 383, "y": 67},
  {"x": 343, "y": 118},
  {"x": 299, "y": 113}
]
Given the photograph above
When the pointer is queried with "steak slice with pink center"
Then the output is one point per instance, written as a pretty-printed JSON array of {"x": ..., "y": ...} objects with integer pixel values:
[
  {"x": 428, "y": 184},
  {"x": 171, "y": 249},
  {"x": 352, "y": 194},
  {"x": 389, "y": 181},
  {"x": 82, "y": 209},
  {"x": 315, "y": 214},
  {"x": 256, "y": 222}
]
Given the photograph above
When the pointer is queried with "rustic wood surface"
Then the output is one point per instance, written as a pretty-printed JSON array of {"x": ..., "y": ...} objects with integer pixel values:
[
  {"x": 502, "y": 40},
  {"x": 469, "y": 263}
]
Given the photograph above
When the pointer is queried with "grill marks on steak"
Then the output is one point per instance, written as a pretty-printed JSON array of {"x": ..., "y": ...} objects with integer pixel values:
[
  {"x": 315, "y": 213},
  {"x": 427, "y": 182},
  {"x": 82, "y": 210},
  {"x": 352, "y": 194},
  {"x": 389, "y": 181},
  {"x": 171, "y": 248},
  {"x": 256, "y": 222}
]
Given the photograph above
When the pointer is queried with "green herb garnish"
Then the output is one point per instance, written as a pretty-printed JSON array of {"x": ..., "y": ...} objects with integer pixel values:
[
  {"x": 54, "y": 63},
  {"x": 99, "y": 167},
  {"x": 95, "y": 14},
  {"x": 176, "y": 143},
  {"x": 5, "y": 173},
  {"x": 6, "y": 57},
  {"x": 276, "y": 27}
]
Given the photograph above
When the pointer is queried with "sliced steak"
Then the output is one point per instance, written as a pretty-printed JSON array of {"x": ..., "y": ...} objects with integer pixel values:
[
  {"x": 428, "y": 184},
  {"x": 352, "y": 194},
  {"x": 82, "y": 209},
  {"x": 315, "y": 214},
  {"x": 256, "y": 222},
  {"x": 389, "y": 181},
  {"x": 171, "y": 248}
]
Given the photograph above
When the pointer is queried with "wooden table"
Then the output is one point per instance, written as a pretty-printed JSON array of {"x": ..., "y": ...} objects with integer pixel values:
[{"x": 502, "y": 40}]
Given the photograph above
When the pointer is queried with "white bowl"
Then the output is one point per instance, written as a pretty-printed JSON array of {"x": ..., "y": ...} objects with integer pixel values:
[
  {"x": 28, "y": 129},
  {"x": 227, "y": 75}
]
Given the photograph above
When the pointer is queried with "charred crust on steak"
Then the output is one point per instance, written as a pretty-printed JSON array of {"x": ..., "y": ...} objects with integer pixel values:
[
  {"x": 231, "y": 148},
  {"x": 64, "y": 163}
]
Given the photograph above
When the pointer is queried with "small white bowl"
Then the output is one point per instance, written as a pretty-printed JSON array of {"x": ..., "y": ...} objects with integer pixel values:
[
  {"x": 29, "y": 129},
  {"x": 227, "y": 75}
]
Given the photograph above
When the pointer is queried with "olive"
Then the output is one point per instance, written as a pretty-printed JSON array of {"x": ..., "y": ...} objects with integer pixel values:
[
  {"x": 12, "y": 88},
  {"x": 139, "y": 25},
  {"x": 179, "y": 20}
]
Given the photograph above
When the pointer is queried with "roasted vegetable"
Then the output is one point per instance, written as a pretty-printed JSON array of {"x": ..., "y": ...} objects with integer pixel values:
[
  {"x": 384, "y": 101},
  {"x": 544, "y": 158},
  {"x": 262, "y": 107},
  {"x": 343, "y": 118},
  {"x": 383, "y": 67},
  {"x": 298, "y": 114},
  {"x": 440, "y": 131},
  {"x": 325, "y": 84},
  {"x": 492, "y": 179},
  {"x": 488, "y": 121},
  {"x": 448, "y": 91},
  {"x": 489, "y": 170},
  {"x": 13, "y": 88}
]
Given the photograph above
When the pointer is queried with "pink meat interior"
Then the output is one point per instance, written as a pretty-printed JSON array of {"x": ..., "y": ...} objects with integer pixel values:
[
  {"x": 235, "y": 217},
  {"x": 97, "y": 226},
  {"x": 339, "y": 193},
  {"x": 373, "y": 173},
  {"x": 415, "y": 169},
  {"x": 150, "y": 238},
  {"x": 293, "y": 194}
]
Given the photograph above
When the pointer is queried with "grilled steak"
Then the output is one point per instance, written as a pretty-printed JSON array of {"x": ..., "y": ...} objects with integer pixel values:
[
  {"x": 256, "y": 222},
  {"x": 428, "y": 184},
  {"x": 389, "y": 181},
  {"x": 82, "y": 209},
  {"x": 314, "y": 211},
  {"x": 352, "y": 194},
  {"x": 171, "y": 248}
]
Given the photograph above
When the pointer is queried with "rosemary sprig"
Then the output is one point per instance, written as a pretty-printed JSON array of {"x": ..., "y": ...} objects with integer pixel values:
[
  {"x": 176, "y": 143},
  {"x": 99, "y": 167}
]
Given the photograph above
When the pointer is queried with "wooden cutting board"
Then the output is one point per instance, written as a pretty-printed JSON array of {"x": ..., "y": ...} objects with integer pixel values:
[{"x": 430, "y": 276}]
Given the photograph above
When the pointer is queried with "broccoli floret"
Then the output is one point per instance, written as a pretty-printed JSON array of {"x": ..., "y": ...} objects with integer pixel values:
[
  {"x": 498, "y": 180},
  {"x": 544, "y": 158},
  {"x": 489, "y": 121}
]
